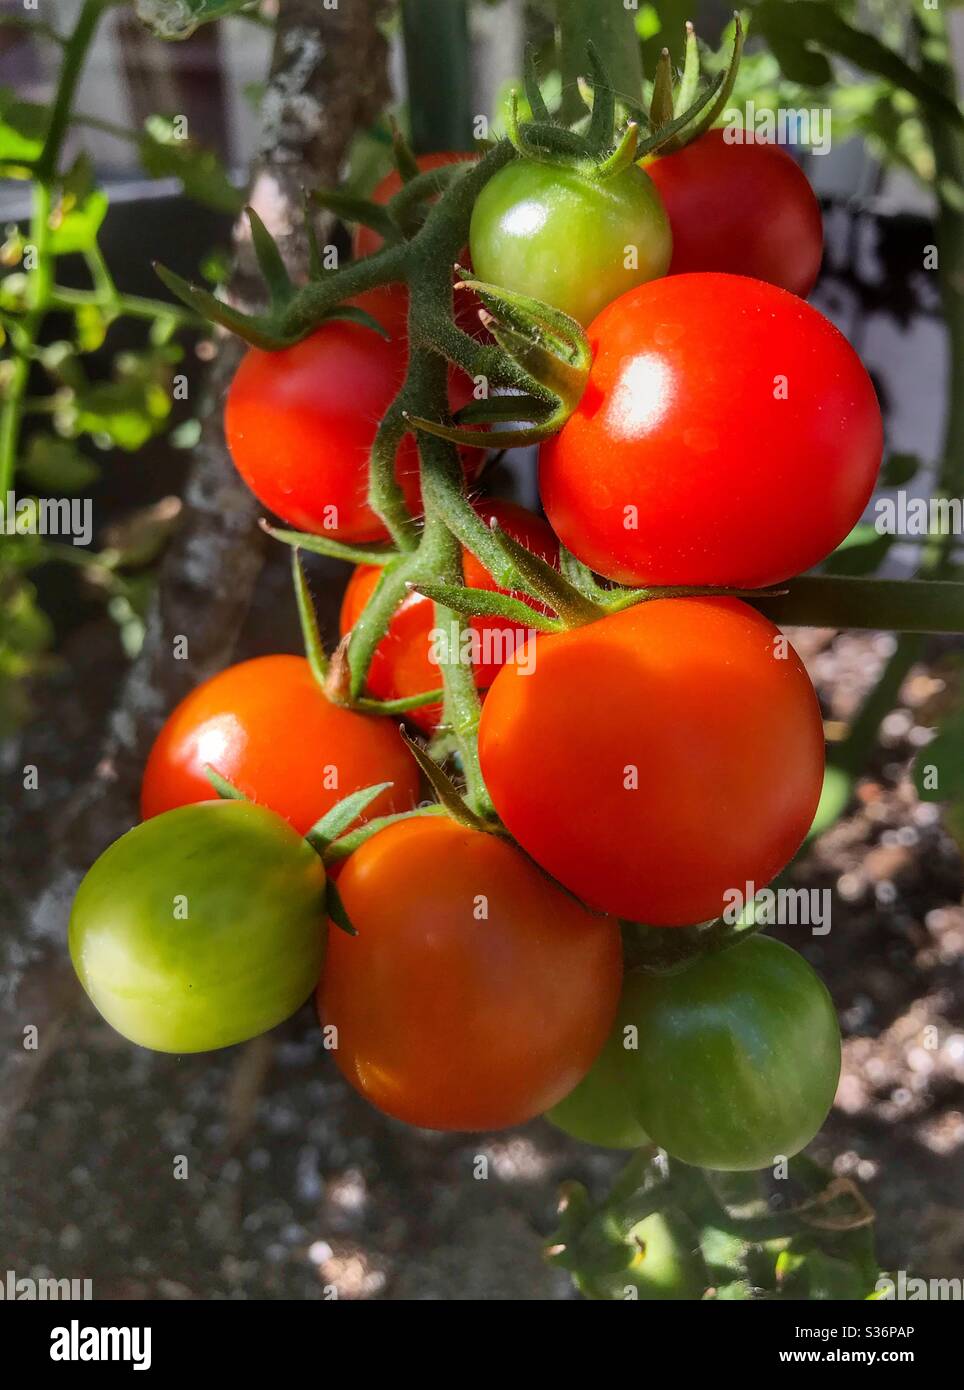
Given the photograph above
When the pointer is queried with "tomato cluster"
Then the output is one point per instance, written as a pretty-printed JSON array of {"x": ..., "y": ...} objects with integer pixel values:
[{"x": 640, "y": 765}]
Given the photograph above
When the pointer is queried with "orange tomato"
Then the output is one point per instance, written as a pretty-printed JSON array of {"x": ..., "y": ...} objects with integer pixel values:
[
  {"x": 476, "y": 993},
  {"x": 657, "y": 758},
  {"x": 266, "y": 726}
]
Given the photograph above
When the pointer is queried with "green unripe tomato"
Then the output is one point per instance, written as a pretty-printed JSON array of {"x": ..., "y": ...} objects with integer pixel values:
[
  {"x": 202, "y": 927},
  {"x": 738, "y": 1058},
  {"x": 573, "y": 242},
  {"x": 664, "y": 1262},
  {"x": 601, "y": 1108}
]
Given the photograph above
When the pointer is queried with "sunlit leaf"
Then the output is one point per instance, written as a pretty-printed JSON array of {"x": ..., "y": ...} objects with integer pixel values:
[
  {"x": 860, "y": 552},
  {"x": 75, "y": 224},
  {"x": 178, "y": 19},
  {"x": 23, "y": 125},
  {"x": 164, "y": 155}
]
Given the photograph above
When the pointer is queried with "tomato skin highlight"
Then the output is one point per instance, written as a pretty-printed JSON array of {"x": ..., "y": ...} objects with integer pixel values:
[
  {"x": 657, "y": 758},
  {"x": 739, "y": 1056},
  {"x": 551, "y": 233},
  {"x": 300, "y": 423},
  {"x": 453, "y": 1022},
  {"x": 265, "y": 725},
  {"x": 743, "y": 209},
  {"x": 244, "y": 955},
  {"x": 728, "y": 435},
  {"x": 402, "y": 663}
]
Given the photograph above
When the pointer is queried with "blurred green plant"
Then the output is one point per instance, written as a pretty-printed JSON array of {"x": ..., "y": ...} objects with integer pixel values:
[
  {"x": 55, "y": 414},
  {"x": 666, "y": 1231}
]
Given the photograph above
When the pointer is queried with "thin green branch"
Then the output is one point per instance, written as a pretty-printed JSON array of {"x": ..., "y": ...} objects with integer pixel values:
[{"x": 893, "y": 605}]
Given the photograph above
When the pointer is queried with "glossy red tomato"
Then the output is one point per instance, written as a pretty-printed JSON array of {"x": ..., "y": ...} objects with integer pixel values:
[
  {"x": 403, "y": 663},
  {"x": 476, "y": 993},
  {"x": 299, "y": 423},
  {"x": 745, "y": 209},
  {"x": 657, "y": 758},
  {"x": 365, "y": 240},
  {"x": 728, "y": 435},
  {"x": 266, "y": 726}
]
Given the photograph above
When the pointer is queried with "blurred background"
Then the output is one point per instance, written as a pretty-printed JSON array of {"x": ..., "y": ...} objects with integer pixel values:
[{"x": 296, "y": 1186}]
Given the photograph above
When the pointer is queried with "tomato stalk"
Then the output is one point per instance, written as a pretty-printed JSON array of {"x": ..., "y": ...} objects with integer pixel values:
[
  {"x": 41, "y": 281},
  {"x": 611, "y": 29},
  {"x": 895, "y": 605},
  {"x": 436, "y": 42}
]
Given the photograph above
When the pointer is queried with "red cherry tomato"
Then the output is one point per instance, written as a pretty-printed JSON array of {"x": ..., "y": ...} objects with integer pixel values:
[
  {"x": 365, "y": 240},
  {"x": 300, "y": 423},
  {"x": 476, "y": 993},
  {"x": 657, "y": 758},
  {"x": 745, "y": 209},
  {"x": 403, "y": 664},
  {"x": 266, "y": 726},
  {"x": 729, "y": 435}
]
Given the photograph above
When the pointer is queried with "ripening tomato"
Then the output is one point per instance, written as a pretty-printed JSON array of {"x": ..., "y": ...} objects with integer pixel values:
[
  {"x": 403, "y": 663},
  {"x": 365, "y": 240},
  {"x": 266, "y": 726},
  {"x": 728, "y": 435},
  {"x": 746, "y": 209},
  {"x": 737, "y": 1056},
  {"x": 601, "y": 1109},
  {"x": 658, "y": 757},
  {"x": 573, "y": 241},
  {"x": 201, "y": 928},
  {"x": 299, "y": 424},
  {"x": 476, "y": 993}
]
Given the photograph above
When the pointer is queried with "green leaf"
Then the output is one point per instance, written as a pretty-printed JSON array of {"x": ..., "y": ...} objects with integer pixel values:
[
  {"x": 78, "y": 182},
  {"x": 442, "y": 785},
  {"x": 226, "y": 790},
  {"x": 54, "y": 466},
  {"x": 834, "y": 797},
  {"x": 337, "y": 910},
  {"x": 899, "y": 469},
  {"x": 793, "y": 26},
  {"x": 164, "y": 154},
  {"x": 336, "y": 821},
  {"x": 485, "y": 603},
  {"x": 308, "y": 620},
  {"x": 178, "y": 19},
  {"x": 939, "y": 768},
  {"x": 26, "y": 633},
  {"x": 860, "y": 552},
  {"x": 739, "y": 1291},
  {"x": 23, "y": 125},
  {"x": 75, "y": 224},
  {"x": 127, "y": 411}
]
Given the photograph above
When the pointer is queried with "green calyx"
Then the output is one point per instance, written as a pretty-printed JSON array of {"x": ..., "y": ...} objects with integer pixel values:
[{"x": 678, "y": 112}]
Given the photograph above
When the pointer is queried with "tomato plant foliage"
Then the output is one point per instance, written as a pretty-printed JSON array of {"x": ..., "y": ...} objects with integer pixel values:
[{"x": 635, "y": 305}]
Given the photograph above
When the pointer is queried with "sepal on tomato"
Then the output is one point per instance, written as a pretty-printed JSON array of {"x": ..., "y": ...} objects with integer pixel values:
[
  {"x": 551, "y": 357},
  {"x": 677, "y": 118}
]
